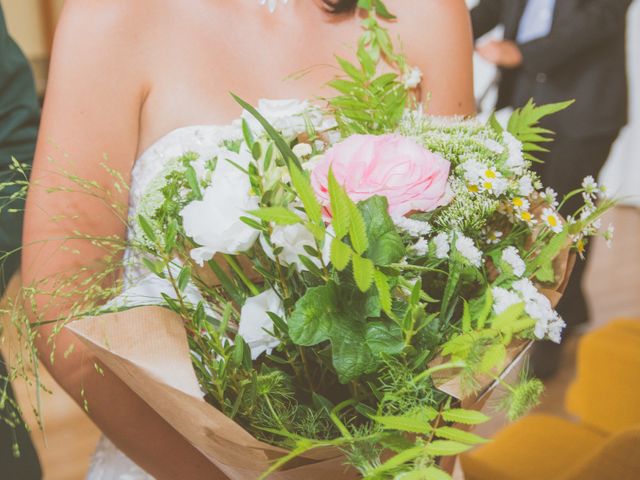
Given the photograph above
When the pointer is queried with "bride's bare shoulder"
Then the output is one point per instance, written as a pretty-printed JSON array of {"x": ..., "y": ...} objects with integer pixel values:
[
  {"x": 108, "y": 25},
  {"x": 437, "y": 38},
  {"x": 429, "y": 19}
]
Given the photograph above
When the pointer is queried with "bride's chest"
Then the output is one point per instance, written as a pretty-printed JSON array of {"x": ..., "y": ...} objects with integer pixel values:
[{"x": 192, "y": 78}]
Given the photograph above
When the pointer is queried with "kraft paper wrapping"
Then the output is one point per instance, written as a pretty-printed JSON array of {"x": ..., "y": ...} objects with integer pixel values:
[{"x": 147, "y": 348}]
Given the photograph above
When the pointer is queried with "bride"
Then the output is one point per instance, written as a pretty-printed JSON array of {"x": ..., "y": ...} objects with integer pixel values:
[{"x": 142, "y": 82}]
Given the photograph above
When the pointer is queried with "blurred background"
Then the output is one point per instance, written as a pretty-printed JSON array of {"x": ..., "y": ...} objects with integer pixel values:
[{"x": 612, "y": 280}]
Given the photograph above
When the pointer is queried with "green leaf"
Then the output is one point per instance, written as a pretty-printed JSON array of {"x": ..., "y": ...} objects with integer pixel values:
[
  {"x": 312, "y": 319},
  {"x": 147, "y": 229},
  {"x": 382, "y": 11},
  {"x": 416, "y": 423},
  {"x": 357, "y": 231},
  {"x": 277, "y": 215},
  {"x": 485, "y": 311},
  {"x": 446, "y": 448},
  {"x": 368, "y": 65},
  {"x": 510, "y": 315},
  {"x": 305, "y": 192},
  {"x": 545, "y": 273},
  {"x": 494, "y": 357},
  {"x": 466, "y": 417},
  {"x": 427, "y": 473},
  {"x": 280, "y": 142},
  {"x": 457, "y": 435},
  {"x": 336, "y": 314},
  {"x": 384, "y": 338},
  {"x": 385, "y": 243},
  {"x": 246, "y": 133},
  {"x": 351, "y": 70},
  {"x": 340, "y": 207},
  {"x": 363, "y": 272},
  {"x": 466, "y": 317},
  {"x": 192, "y": 179},
  {"x": 396, "y": 442},
  {"x": 384, "y": 292},
  {"x": 396, "y": 461},
  {"x": 340, "y": 254},
  {"x": 183, "y": 278}
]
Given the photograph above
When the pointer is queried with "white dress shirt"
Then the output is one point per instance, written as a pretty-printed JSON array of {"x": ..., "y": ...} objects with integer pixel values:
[{"x": 536, "y": 21}]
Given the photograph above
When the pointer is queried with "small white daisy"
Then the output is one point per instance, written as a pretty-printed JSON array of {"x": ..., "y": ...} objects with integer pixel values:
[
  {"x": 590, "y": 185},
  {"x": 552, "y": 220},
  {"x": 608, "y": 235}
]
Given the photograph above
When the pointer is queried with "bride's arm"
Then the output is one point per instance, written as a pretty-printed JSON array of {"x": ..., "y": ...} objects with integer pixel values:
[
  {"x": 437, "y": 34},
  {"x": 96, "y": 90}
]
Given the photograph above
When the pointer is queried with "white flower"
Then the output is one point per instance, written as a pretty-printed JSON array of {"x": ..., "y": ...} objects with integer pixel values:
[
  {"x": 214, "y": 222},
  {"x": 291, "y": 240},
  {"x": 551, "y": 197},
  {"x": 525, "y": 186},
  {"x": 526, "y": 217},
  {"x": 589, "y": 184},
  {"x": 288, "y": 117},
  {"x": 555, "y": 328},
  {"x": 494, "y": 146},
  {"x": 468, "y": 250},
  {"x": 302, "y": 150},
  {"x": 521, "y": 204},
  {"x": 515, "y": 161},
  {"x": 608, "y": 235},
  {"x": 503, "y": 299},
  {"x": 412, "y": 78},
  {"x": 538, "y": 307},
  {"x": 441, "y": 242},
  {"x": 255, "y": 322},
  {"x": 473, "y": 171},
  {"x": 415, "y": 228},
  {"x": 421, "y": 247},
  {"x": 511, "y": 257},
  {"x": 552, "y": 220}
]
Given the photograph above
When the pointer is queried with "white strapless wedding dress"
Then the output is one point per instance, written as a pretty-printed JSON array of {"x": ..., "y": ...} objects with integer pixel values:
[{"x": 141, "y": 287}]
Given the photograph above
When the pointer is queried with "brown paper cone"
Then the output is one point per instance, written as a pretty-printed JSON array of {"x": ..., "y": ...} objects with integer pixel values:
[{"x": 147, "y": 348}]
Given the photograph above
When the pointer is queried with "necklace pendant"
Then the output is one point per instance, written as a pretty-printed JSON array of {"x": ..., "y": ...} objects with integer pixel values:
[{"x": 272, "y": 4}]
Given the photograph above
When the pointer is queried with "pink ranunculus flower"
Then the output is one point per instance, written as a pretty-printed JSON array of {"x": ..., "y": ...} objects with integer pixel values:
[{"x": 411, "y": 177}]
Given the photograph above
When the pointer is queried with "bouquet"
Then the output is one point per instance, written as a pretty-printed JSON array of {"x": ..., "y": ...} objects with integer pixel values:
[{"x": 346, "y": 275}]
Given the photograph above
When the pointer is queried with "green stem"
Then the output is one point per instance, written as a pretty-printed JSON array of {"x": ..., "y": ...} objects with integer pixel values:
[{"x": 241, "y": 275}]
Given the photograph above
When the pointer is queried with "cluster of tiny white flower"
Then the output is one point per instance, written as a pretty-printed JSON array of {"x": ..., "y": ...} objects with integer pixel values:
[
  {"x": 415, "y": 228},
  {"x": 467, "y": 248},
  {"x": 549, "y": 324},
  {"x": 511, "y": 257}
]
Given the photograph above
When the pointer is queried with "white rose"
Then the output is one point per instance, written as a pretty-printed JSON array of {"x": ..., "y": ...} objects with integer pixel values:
[
  {"x": 288, "y": 117},
  {"x": 291, "y": 239},
  {"x": 214, "y": 222},
  {"x": 255, "y": 322}
]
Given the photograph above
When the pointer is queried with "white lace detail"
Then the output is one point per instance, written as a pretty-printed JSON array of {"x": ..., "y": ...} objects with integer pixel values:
[{"x": 140, "y": 287}]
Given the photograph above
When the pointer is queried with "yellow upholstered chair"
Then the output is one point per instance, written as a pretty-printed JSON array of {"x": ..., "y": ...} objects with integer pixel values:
[{"x": 604, "y": 445}]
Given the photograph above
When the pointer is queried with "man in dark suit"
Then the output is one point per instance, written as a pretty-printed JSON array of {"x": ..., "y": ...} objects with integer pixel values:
[
  {"x": 556, "y": 50},
  {"x": 19, "y": 118}
]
